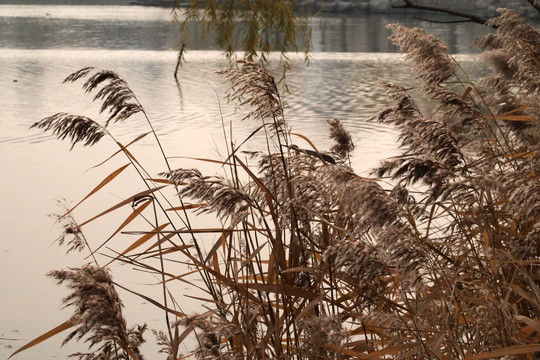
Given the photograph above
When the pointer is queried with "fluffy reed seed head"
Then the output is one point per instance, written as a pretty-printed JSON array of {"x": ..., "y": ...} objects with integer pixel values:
[
  {"x": 98, "y": 313},
  {"x": 431, "y": 57},
  {"x": 344, "y": 145},
  {"x": 254, "y": 86}
]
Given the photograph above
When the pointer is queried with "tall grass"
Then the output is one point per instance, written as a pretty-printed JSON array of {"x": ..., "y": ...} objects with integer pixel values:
[{"x": 435, "y": 256}]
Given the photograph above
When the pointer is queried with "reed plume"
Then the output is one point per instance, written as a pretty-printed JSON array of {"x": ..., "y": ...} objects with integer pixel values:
[
  {"x": 256, "y": 88},
  {"x": 116, "y": 97},
  {"x": 98, "y": 314}
]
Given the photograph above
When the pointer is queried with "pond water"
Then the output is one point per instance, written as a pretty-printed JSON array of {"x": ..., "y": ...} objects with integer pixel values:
[{"x": 41, "y": 45}]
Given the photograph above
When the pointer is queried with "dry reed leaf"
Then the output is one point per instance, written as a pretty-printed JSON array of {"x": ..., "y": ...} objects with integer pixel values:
[
  {"x": 509, "y": 117},
  {"x": 268, "y": 194},
  {"x": 130, "y": 155},
  {"x": 466, "y": 93},
  {"x": 58, "y": 329},
  {"x": 523, "y": 154},
  {"x": 128, "y": 220},
  {"x": 152, "y": 301},
  {"x": 186, "y": 206},
  {"x": 162, "y": 181},
  {"x": 195, "y": 231},
  {"x": 179, "y": 277},
  {"x": 188, "y": 330},
  {"x": 169, "y": 250},
  {"x": 282, "y": 289},
  {"x": 252, "y": 255},
  {"x": 202, "y": 159},
  {"x": 307, "y": 309},
  {"x": 524, "y": 294},
  {"x": 532, "y": 323},
  {"x": 145, "y": 238},
  {"x": 119, "y": 151},
  {"x": 129, "y": 200},
  {"x": 215, "y": 262},
  {"x": 518, "y": 109},
  {"x": 245, "y": 140},
  {"x": 391, "y": 350},
  {"x": 511, "y": 350},
  {"x": 312, "y": 146},
  {"x": 230, "y": 283},
  {"x": 105, "y": 181},
  {"x": 369, "y": 328},
  {"x": 215, "y": 247},
  {"x": 204, "y": 300},
  {"x": 313, "y": 269}
]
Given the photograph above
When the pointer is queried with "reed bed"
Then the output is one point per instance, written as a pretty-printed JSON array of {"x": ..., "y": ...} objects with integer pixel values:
[{"x": 436, "y": 255}]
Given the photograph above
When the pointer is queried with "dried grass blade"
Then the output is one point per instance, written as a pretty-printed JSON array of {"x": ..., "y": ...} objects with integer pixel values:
[
  {"x": 370, "y": 328},
  {"x": 223, "y": 279},
  {"x": 269, "y": 197},
  {"x": 391, "y": 350},
  {"x": 533, "y": 323},
  {"x": 64, "y": 326},
  {"x": 128, "y": 220},
  {"x": 187, "y": 207},
  {"x": 466, "y": 93},
  {"x": 105, "y": 181},
  {"x": 145, "y": 238},
  {"x": 179, "y": 277},
  {"x": 129, "y": 200},
  {"x": 258, "y": 182},
  {"x": 119, "y": 151},
  {"x": 189, "y": 329},
  {"x": 306, "y": 310},
  {"x": 216, "y": 246},
  {"x": 202, "y": 159},
  {"x": 509, "y": 117},
  {"x": 245, "y": 140},
  {"x": 282, "y": 289},
  {"x": 310, "y": 143},
  {"x": 163, "y": 181},
  {"x": 129, "y": 154},
  {"x": 524, "y": 294},
  {"x": 349, "y": 353},
  {"x": 162, "y": 240},
  {"x": 511, "y": 350},
  {"x": 152, "y": 301},
  {"x": 520, "y": 108},
  {"x": 210, "y": 300},
  {"x": 253, "y": 254},
  {"x": 312, "y": 269},
  {"x": 200, "y": 231},
  {"x": 523, "y": 154}
]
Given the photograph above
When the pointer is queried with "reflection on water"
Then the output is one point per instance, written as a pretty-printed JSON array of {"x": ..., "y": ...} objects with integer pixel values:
[
  {"x": 343, "y": 86},
  {"x": 41, "y": 45},
  {"x": 149, "y": 28}
]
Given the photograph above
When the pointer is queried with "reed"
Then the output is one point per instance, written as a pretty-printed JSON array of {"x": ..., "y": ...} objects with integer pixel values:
[{"x": 434, "y": 256}]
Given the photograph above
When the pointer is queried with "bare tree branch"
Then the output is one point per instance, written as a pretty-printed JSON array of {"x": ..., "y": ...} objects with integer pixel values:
[
  {"x": 535, "y": 4},
  {"x": 408, "y": 4}
]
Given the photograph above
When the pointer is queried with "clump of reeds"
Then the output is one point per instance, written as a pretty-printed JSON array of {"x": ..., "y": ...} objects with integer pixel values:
[
  {"x": 434, "y": 257},
  {"x": 98, "y": 315}
]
